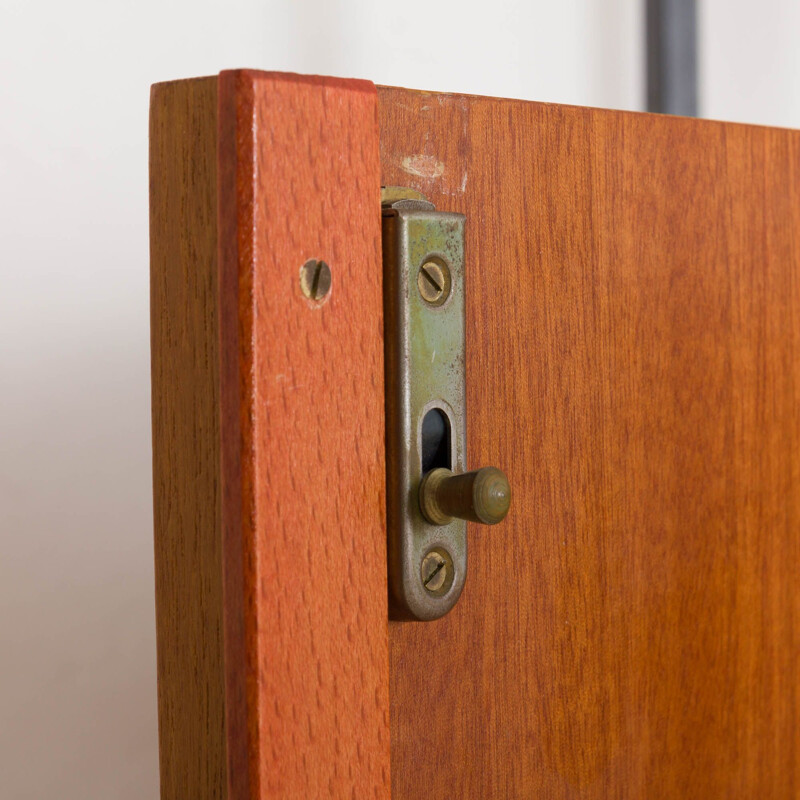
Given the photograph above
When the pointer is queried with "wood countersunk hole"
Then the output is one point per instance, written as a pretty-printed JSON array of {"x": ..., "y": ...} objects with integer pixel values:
[{"x": 315, "y": 280}]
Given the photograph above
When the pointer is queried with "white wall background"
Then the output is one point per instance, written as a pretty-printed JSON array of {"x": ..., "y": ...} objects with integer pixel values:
[{"x": 77, "y": 641}]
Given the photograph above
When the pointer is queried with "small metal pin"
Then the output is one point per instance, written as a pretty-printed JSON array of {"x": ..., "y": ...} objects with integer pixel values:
[{"x": 480, "y": 496}]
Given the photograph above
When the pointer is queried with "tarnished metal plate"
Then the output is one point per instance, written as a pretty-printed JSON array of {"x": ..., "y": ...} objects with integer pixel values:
[{"x": 424, "y": 334}]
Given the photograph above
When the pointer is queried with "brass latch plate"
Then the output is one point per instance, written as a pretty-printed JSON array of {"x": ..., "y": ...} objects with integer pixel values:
[{"x": 423, "y": 255}]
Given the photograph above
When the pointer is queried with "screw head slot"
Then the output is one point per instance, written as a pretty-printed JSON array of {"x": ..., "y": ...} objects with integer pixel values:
[
  {"x": 434, "y": 282},
  {"x": 436, "y": 571},
  {"x": 315, "y": 280}
]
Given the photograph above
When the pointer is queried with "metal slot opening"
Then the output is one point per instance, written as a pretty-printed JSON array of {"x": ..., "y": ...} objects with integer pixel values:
[{"x": 436, "y": 449}]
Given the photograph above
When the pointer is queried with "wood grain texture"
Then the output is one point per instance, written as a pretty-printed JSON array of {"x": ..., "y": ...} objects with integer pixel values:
[
  {"x": 633, "y": 363},
  {"x": 268, "y": 440},
  {"x": 186, "y": 455},
  {"x": 303, "y": 505}
]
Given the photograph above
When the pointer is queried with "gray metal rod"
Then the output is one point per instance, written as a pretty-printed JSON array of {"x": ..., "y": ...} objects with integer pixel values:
[{"x": 672, "y": 57}]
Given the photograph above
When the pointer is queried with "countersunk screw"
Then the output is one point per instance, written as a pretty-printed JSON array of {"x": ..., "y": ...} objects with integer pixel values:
[
  {"x": 433, "y": 282},
  {"x": 315, "y": 280},
  {"x": 437, "y": 572}
]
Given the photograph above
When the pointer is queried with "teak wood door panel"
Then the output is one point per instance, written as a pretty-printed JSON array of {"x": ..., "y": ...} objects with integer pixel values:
[{"x": 633, "y": 364}]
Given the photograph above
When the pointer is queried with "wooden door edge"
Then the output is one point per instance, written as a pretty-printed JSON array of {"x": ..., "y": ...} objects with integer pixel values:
[
  {"x": 185, "y": 424},
  {"x": 221, "y": 721}
]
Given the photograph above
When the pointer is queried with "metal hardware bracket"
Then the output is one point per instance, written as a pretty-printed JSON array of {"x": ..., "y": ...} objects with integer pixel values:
[
  {"x": 429, "y": 497},
  {"x": 424, "y": 372}
]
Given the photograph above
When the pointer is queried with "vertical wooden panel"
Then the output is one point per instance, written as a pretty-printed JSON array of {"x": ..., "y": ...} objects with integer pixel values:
[
  {"x": 633, "y": 362},
  {"x": 303, "y": 438},
  {"x": 268, "y": 439},
  {"x": 185, "y": 397}
]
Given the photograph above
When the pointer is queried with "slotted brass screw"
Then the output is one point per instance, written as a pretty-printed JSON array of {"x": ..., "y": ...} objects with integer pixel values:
[
  {"x": 433, "y": 282},
  {"x": 315, "y": 280},
  {"x": 437, "y": 572}
]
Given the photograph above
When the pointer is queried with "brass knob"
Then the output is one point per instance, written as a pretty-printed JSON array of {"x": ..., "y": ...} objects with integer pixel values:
[{"x": 480, "y": 496}]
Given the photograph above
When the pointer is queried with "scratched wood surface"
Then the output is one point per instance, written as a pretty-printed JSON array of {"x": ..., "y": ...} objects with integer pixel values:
[
  {"x": 269, "y": 439},
  {"x": 633, "y": 321}
]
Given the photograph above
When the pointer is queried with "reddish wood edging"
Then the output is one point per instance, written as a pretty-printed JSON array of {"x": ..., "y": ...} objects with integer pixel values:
[
  {"x": 302, "y": 439},
  {"x": 300, "y": 474}
]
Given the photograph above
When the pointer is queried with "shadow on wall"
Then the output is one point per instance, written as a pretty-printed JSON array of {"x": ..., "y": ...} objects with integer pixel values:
[{"x": 78, "y": 690}]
